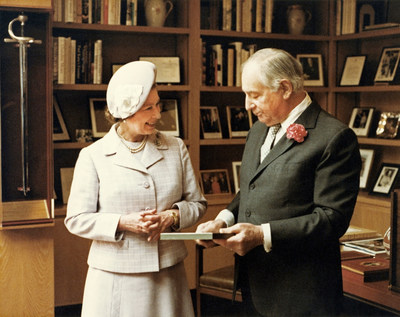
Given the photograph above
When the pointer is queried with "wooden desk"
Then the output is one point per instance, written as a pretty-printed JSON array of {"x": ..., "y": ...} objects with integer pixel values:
[{"x": 373, "y": 293}]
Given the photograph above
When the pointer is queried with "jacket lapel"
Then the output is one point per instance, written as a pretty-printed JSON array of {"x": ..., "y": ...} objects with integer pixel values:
[{"x": 308, "y": 119}]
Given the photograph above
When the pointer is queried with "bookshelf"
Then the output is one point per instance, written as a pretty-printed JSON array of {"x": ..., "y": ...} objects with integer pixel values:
[{"x": 182, "y": 36}]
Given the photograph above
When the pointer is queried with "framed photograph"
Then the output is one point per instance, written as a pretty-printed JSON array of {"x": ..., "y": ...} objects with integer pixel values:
[
  {"x": 60, "y": 132},
  {"x": 387, "y": 179},
  {"x": 366, "y": 161},
  {"x": 239, "y": 121},
  {"x": 312, "y": 69},
  {"x": 115, "y": 67},
  {"x": 360, "y": 120},
  {"x": 169, "y": 122},
  {"x": 210, "y": 123},
  {"x": 352, "y": 70},
  {"x": 215, "y": 182},
  {"x": 168, "y": 70},
  {"x": 388, "y": 125},
  {"x": 66, "y": 174},
  {"x": 100, "y": 125},
  {"x": 388, "y": 64},
  {"x": 236, "y": 174}
]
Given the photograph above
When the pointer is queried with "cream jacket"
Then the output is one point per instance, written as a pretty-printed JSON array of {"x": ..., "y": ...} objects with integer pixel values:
[{"x": 110, "y": 181}]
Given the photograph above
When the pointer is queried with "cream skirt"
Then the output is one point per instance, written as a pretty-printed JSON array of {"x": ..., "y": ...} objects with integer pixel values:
[{"x": 154, "y": 294}]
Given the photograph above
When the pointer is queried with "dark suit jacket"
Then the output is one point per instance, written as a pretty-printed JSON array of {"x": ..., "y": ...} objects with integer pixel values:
[{"x": 307, "y": 192}]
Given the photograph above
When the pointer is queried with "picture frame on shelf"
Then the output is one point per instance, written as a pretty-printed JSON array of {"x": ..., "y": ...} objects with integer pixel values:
[
  {"x": 60, "y": 132},
  {"x": 236, "y": 165},
  {"x": 388, "y": 125},
  {"x": 352, "y": 70},
  {"x": 388, "y": 64},
  {"x": 210, "y": 123},
  {"x": 168, "y": 69},
  {"x": 239, "y": 121},
  {"x": 312, "y": 69},
  {"x": 360, "y": 120},
  {"x": 115, "y": 67},
  {"x": 367, "y": 156},
  {"x": 169, "y": 122},
  {"x": 100, "y": 124},
  {"x": 387, "y": 179},
  {"x": 215, "y": 182},
  {"x": 66, "y": 175}
]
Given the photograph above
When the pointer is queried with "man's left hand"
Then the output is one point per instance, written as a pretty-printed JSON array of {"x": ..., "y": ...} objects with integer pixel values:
[{"x": 247, "y": 237}]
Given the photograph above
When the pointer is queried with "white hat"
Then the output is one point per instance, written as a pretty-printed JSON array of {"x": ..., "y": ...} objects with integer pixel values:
[{"x": 129, "y": 87}]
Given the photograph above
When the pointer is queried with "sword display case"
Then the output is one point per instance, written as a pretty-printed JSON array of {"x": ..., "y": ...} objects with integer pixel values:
[{"x": 26, "y": 118}]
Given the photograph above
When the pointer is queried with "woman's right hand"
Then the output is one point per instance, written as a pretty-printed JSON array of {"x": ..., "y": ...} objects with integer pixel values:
[{"x": 134, "y": 222}]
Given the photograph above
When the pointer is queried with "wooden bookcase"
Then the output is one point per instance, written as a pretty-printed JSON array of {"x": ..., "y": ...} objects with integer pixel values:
[{"x": 182, "y": 36}]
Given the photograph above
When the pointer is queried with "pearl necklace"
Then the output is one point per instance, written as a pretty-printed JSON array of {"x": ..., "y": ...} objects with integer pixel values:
[{"x": 131, "y": 149}]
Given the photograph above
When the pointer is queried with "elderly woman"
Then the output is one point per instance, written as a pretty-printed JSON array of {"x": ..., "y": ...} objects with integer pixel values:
[{"x": 128, "y": 187}]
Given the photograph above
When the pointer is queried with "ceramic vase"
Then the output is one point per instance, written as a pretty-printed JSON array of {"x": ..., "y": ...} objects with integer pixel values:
[
  {"x": 297, "y": 18},
  {"x": 156, "y": 11}
]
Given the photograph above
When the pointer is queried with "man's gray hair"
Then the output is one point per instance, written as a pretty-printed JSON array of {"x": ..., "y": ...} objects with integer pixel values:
[{"x": 274, "y": 65}]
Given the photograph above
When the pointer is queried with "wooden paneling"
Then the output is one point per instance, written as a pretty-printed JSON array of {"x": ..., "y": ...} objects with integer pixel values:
[{"x": 26, "y": 273}]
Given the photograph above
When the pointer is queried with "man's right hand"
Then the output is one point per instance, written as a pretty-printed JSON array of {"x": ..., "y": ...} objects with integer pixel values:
[{"x": 210, "y": 226}]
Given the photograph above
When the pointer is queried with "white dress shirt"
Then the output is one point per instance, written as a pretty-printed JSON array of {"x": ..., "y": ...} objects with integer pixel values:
[{"x": 226, "y": 215}]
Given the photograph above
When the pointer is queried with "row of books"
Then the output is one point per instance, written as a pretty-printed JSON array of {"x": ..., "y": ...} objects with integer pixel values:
[
  {"x": 115, "y": 12},
  {"x": 361, "y": 15},
  {"x": 238, "y": 15},
  {"x": 221, "y": 64},
  {"x": 77, "y": 61}
]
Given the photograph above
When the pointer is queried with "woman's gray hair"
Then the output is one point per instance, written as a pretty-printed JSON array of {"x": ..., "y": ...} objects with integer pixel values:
[{"x": 274, "y": 65}]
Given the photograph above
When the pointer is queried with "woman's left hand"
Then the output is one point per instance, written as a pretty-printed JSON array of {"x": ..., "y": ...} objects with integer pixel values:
[{"x": 157, "y": 223}]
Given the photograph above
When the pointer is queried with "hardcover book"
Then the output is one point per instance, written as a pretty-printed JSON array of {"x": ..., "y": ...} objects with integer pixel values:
[{"x": 370, "y": 270}]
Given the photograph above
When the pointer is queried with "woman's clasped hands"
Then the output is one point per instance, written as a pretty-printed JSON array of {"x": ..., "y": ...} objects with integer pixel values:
[{"x": 147, "y": 222}]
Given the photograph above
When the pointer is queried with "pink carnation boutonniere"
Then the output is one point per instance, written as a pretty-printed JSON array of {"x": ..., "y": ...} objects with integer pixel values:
[{"x": 297, "y": 132}]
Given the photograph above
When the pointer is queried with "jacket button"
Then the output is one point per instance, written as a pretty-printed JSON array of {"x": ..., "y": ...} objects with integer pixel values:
[
  {"x": 247, "y": 213},
  {"x": 146, "y": 185},
  {"x": 252, "y": 186}
]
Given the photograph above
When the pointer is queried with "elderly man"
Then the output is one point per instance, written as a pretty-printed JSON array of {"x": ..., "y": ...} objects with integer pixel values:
[{"x": 298, "y": 187}]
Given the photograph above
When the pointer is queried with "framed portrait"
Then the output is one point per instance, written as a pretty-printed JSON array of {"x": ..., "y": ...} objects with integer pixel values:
[
  {"x": 169, "y": 122},
  {"x": 239, "y": 121},
  {"x": 210, "y": 123},
  {"x": 387, "y": 179},
  {"x": 367, "y": 156},
  {"x": 215, "y": 182},
  {"x": 388, "y": 125},
  {"x": 115, "y": 67},
  {"x": 60, "y": 132},
  {"x": 66, "y": 175},
  {"x": 388, "y": 64},
  {"x": 236, "y": 174},
  {"x": 100, "y": 125},
  {"x": 168, "y": 69},
  {"x": 360, "y": 120},
  {"x": 352, "y": 70},
  {"x": 312, "y": 69}
]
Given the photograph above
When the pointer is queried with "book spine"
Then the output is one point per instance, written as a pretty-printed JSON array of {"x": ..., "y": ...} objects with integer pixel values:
[
  {"x": 217, "y": 48},
  {"x": 238, "y": 63},
  {"x": 55, "y": 60},
  {"x": 227, "y": 15},
  {"x": 269, "y": 9},
  {"x": 85, "y": 11},
  {"x": 259, "y": 15},
  {"x": 73, "y": 61},
  {"x": 69, "y": 11},
  {"x": 247, "y": 16},
  {"x": 79, "y": 62},
  {"x": 230, "y": 66},
  {"x": 238, "y": 15},
  {"x": 61, "y": 60}
]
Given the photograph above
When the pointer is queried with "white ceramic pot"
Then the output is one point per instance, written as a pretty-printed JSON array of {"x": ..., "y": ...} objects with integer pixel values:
[
  {"x": 156, "y": 11},
  {"x": 297, "y": 18}
]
